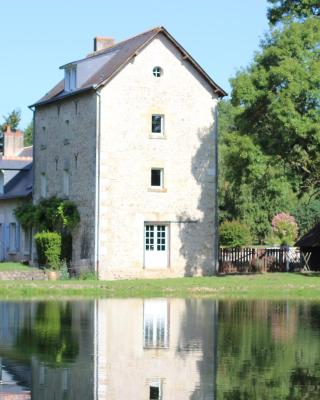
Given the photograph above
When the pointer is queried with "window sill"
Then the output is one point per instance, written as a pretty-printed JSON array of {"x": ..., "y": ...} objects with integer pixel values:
[
  {"x": 12, "y": 252},
  {"x": 66, "y": 141},
  {"x": 43, "y": 147},
  {"x": 157, "y": 136},
  {"x": 155, "y": 189}
]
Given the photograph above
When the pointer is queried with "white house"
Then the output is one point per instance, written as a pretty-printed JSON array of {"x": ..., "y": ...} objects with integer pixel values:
[{"x": 130, "y": 135}]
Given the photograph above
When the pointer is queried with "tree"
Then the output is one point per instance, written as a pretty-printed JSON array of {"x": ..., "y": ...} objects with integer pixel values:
[
  {"x": 28, "y": 134},
  {"x": 13, "y": 119},
  {"x": 287, "y": 9},
  {"x": 279, "y": 97},
  {"x": 252, "y": 186}
]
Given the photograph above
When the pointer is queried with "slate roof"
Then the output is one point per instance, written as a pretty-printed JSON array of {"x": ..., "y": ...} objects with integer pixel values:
[
  {"x": 120, "y": 55},
  {"x": 311, "y": 238},
  {"x": 20, "y": 185}
]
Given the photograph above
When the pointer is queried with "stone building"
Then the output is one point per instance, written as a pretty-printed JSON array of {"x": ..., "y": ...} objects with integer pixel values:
[
  {"x": 15, "y": 187},
  {"x": 130, "y": 135}
]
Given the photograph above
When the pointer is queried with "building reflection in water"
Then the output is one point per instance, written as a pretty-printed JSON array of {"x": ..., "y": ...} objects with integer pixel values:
[
  {"x": 158, "y": 349},
  {"x": 155, "y": 349}
]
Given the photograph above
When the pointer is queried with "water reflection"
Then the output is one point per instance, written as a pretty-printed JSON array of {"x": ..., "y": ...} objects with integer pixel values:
[{"x": 159, "y": 349}]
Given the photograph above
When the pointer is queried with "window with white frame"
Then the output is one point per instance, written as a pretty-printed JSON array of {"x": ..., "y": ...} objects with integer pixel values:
[
  {"x": 43, "y": 185},
  {"x": 70, "y": 79},
  {"x": 66, "y": 182},
  {"x": 157, "y": 124},
  {"x": 155, "y": 390},
  {"x": 157, "y": 71},
  {"x": 12, "y": 237},
  {"x": 157, "y": 178}
]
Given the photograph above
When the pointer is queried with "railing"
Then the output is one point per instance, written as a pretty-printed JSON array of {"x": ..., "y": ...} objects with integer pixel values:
[{"x": 256, "y": 259}]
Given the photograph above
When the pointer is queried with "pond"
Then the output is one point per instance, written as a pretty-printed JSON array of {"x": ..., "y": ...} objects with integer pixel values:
[{"x": 151, "y": 349}]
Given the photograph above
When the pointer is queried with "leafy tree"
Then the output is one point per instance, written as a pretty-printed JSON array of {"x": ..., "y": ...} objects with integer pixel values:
[
  {"x": 307, "y": 214},
  {"x": 279, "y": 96},
  {"x": 13, "y": 119},
  {"x": 28, "y": 134},
  {"x": 252, "y": 185},
  {"x": 287, "y": 9}
]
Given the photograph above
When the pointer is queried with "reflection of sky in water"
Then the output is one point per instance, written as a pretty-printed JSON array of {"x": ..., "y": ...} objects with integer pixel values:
[{"x": 156, "y": 349}]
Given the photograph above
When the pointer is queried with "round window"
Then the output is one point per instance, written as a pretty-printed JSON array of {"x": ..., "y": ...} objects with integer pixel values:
[{"x": 157, "y": 72}]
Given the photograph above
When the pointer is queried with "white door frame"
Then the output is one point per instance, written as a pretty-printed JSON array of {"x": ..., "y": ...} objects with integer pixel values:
[{"x": 167, "y": 243}]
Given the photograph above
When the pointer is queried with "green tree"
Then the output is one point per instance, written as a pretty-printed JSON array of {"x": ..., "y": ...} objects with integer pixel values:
[
  {"x": 279, "y": 96},
  {"x": 288, "y": 9},
  {"x": 13, "y": 119},
  {"x": 28, "y": 135},
  {"x": 253, "y": 186}
]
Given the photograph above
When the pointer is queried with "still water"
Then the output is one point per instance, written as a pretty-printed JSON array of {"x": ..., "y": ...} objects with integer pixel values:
[{"x": 169, "y": 349}]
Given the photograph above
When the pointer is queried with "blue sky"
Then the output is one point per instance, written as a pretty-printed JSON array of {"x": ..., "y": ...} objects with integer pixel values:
[{"x": 36, "y": 37}]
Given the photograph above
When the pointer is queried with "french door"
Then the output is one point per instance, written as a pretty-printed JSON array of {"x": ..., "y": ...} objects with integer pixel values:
[{"x": 156, "y": 243}]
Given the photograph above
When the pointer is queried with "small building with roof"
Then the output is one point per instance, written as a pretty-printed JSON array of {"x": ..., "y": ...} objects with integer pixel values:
[
  {"x": 310, "y": 247},
  {"x": 15, "y": 187}
]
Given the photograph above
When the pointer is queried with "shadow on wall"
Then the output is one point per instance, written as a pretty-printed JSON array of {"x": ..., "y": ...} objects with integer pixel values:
[{"x": 197, "y": 235}]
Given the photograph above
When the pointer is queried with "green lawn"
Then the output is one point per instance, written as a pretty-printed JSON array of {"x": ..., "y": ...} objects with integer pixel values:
[
  {"x": 14, "y": 266},
  {"x": 272, "y": 285}
]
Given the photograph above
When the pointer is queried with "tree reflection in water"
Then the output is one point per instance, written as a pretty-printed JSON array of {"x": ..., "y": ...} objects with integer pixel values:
[
  {"x": 267, "y": 350},
  {"x": 50, "y": 336}
]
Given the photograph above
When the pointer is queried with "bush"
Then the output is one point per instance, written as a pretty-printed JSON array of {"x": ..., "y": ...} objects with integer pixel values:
[
  {"x": 64, "y": 271},
  {"x": 285, "y": 228},
  {"x": 234, "y": 234},
  {"x": 48, "y": 246}
]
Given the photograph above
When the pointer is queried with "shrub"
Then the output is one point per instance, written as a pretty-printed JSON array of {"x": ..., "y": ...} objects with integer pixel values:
[
  {"x": 234, "y": 234},
  {"x": 48, "y": 246},
  {"x": 64, "y": 271},
  {"x": 285, "y": 228},
  {"x": 88, "y": 276}
]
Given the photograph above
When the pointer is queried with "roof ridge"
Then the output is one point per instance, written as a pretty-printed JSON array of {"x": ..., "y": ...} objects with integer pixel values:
[{"x": 103, "y": 51}]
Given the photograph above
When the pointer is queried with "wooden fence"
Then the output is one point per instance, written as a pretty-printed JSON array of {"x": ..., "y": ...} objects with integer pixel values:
[{"x": 258, "y": 260}]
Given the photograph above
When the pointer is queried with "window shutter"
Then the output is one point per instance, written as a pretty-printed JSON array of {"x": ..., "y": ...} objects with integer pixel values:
[
  {"x": 17, "y": 237},
  {"x": 2, "y": 244},
  {"x": 6, "y": 238}
]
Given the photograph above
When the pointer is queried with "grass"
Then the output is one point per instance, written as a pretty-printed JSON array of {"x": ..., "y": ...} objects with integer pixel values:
[
  {"x": 14, "y": 266},
  {"x": 268, "y": 286}
]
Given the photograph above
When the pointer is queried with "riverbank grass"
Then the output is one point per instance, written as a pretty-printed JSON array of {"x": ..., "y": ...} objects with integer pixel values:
[
  {"x": 15, "y": 266},
  {"x": 270, "y": 286}
]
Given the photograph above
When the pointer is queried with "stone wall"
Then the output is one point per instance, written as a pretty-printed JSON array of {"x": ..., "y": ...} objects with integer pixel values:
[
  {"x": 185, "y": 153},
  {"x": 65, "y": 141}
]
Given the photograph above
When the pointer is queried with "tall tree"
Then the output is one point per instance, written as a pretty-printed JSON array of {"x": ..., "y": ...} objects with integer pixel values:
[
  {"x": 281, "y": 10},
  {"x": 279, "y": 95}
]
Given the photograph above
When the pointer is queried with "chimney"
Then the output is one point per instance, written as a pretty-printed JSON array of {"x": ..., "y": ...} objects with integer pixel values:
[
  {"x": 12, "y": 142},
  {"x": 101, "y": 43}
]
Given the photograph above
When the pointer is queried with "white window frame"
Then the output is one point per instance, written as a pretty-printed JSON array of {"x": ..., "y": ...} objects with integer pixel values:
[
  {"x": 157, "y": 71},
  {"x": 161, "y": 186},
  {"x": 43, "y": 185},
  {"x": 161, "y": 133},
  {"x": 70, "y": 78}
]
